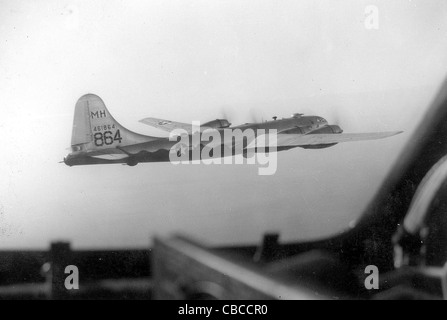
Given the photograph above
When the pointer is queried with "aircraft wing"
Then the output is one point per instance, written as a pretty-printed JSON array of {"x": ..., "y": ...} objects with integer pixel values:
[
  {"x": 169, "y": 126},
  {"x": 296, "y": 140}
]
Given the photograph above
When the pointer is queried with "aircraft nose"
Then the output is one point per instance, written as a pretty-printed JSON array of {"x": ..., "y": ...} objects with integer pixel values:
[{"x": 67, "y": 161}]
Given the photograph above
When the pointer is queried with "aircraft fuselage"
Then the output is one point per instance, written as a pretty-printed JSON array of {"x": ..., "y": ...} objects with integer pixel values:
[{"x": 157, "y": 150}]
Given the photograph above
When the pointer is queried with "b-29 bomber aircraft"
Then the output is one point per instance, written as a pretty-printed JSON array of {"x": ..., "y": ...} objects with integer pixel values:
[{"x": 97, "y": 138}]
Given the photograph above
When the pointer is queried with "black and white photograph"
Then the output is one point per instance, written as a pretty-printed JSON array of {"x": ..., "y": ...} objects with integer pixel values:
[{"x": 223, "y": 150}]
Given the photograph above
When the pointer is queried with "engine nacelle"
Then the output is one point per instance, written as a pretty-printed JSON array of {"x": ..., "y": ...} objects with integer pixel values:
[
  {"x": 328, "y": 129},
  {"x": 217, "y": 124}
]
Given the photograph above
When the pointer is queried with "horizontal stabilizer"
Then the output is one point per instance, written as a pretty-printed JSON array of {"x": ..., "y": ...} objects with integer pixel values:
[{"x": 170, "y": 126}]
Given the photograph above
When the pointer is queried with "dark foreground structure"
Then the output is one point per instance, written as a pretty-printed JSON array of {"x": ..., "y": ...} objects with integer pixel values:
[{"x": 112, "y": 274}]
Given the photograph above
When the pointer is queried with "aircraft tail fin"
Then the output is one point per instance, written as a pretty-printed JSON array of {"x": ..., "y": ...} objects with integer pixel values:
[{"x": 94, "y": 128}]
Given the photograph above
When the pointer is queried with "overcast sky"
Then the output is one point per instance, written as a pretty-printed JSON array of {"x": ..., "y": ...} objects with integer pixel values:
[{"x": 189, "y": 60}]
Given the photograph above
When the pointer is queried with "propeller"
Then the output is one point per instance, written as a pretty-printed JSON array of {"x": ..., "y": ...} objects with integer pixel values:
[
  {"x": 335, "y": 116},
  {"x": 255, "y": 116},
  {"x": 226, "y": 113},
  {"x": 229, "y": 114},
  {"x": 343, "y": 117}
]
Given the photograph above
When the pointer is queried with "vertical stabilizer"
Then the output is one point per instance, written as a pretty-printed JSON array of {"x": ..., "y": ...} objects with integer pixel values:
[{"x": 94, "y": 128}]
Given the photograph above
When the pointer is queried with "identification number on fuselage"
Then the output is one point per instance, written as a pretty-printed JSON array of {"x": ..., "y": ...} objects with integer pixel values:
[
  {"x": 104, "y": 127},
  {"x": 107, "y": 138}
]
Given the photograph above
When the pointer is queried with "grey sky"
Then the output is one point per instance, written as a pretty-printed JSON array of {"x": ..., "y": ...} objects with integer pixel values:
[{"x": 187, "y": 60}]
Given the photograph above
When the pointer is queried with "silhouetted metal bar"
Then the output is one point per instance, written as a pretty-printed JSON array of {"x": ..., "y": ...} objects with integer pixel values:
[{"x": 60, "y": 255}]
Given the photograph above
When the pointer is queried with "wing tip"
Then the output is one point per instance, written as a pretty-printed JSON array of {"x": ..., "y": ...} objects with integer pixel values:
[{"x": 395, "y": 133}]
